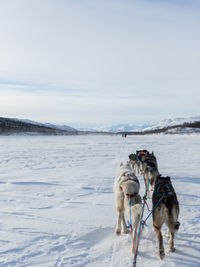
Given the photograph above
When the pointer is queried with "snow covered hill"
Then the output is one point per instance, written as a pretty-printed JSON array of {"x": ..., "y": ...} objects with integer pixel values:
[
  {"x": 169, "y": 126},
  {"x": 142, "y": 128},
  {"x": 55, "y": 126},
  {"x": 26, "y": 127},
  {"x": 172, "y": 122},
  {"x": 116, "y": 128},
  {"x": 60, "y": 127}
]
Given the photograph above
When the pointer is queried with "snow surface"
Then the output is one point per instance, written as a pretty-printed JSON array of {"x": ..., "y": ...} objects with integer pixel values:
[{"x": 57, "y": 202}]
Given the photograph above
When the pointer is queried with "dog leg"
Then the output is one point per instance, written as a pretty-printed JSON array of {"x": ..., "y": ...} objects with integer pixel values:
[
  {"x": 148, "y": 188},
  {"x": 161, "y": 253},
  {"x": 134, "y": 233},
  {"x": 135, "y": 168},
  {"x": 136, "y": 222},
  {"x": 119, "y": 220},
  {"x": 171, "y": 243},
  {"x": 138, "y": 168},
  {"x": 147, "y": 185},
  {"x": 152, "y": 183},
  {"x": 145, "y": 181},
  {"x": 124, "y": 228}
]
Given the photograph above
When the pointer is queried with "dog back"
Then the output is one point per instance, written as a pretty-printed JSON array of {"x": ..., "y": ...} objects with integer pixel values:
[{"x": 164, "y": 189}]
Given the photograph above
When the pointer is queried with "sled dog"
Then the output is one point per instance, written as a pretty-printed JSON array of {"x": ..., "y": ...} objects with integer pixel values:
[
  {"x": 142, "y": 154},
  {"x": 150, "y": 173},
  {"x": 126, "y": 189},
  {"x": 135, "y": 163},
  {"x": 167, "y": 211},
  {"x": 149, "y": 169}
]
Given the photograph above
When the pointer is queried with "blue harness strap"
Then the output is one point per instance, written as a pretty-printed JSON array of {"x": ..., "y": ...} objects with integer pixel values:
[
  {"x": 154, "y": 208},
  {"x": 130, "y": 212},
  {"x": 142, "y": 224}
]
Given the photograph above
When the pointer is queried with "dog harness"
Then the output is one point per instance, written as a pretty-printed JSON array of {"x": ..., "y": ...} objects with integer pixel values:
[
  {"x": 129, "y": 176},
  {"x": 167, "y": 189}
]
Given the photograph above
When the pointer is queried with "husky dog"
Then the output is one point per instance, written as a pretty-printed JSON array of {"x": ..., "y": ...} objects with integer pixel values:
[
  {"x": 135, "y": 163},
  {"x": 142, "y": 154},
  {"x": 150, "y": 173},
  {"x": 149, "y": 169},
  {"x": 126, "y": 189},
  {"x": 148, "y": 157},
  {"x": 167, "y": 211},
  {"x": 136, "y": 160}
]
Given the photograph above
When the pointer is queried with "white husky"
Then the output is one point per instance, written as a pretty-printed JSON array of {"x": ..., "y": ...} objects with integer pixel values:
[{"x": 126, "y": 189}]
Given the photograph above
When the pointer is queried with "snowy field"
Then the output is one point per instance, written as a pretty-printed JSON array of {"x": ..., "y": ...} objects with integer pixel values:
[{"x": 57, "y": 202}]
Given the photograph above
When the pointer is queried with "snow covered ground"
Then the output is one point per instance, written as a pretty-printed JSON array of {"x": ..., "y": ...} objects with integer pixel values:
[{"x": 57, "y": 202}]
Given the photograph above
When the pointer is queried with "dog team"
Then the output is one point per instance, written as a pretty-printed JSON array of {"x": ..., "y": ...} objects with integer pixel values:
[{"x": 127, "y": 198}]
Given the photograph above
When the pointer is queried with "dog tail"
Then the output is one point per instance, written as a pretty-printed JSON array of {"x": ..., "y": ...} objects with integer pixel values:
[{"x": 172, "y": 212}]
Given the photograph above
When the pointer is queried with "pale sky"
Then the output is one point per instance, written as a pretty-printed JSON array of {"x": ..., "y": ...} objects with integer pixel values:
[{"x": 87, "y": 62}]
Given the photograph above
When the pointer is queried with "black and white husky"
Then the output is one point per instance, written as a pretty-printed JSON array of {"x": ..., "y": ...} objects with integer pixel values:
[{"x": 166, "y": 212}]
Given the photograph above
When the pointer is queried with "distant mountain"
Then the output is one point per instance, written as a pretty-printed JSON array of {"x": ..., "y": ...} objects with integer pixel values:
[
  {"x": 172, "y": 122},
  {"x": 175, "y": 126},
  {"x": 27, "y": 127},
  {"x": 116, "y": 128},
  {"x": 10, "y": 126},
  {"x": 60, "y": 127},
  {"x": 168, "y": 126},
  {"x": 55, "y": 126}
]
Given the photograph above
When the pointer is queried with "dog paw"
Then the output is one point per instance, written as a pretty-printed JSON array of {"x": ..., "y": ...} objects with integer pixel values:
[
  {"x": 126, "y": 231},
  {"x": 118, "y": 232},
  {"x": 132, "y": 250},
  {"x": 177, "y": 225},
  {"x": 161, "y": 254},
  {"x": 171, "y": 249}
]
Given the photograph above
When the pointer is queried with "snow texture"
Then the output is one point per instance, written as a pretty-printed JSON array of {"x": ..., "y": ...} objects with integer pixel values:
[{"x": 57, "y": 202}]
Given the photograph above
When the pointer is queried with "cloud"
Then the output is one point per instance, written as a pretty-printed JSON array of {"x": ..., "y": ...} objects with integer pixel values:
[{"x": 99, "y": 60}]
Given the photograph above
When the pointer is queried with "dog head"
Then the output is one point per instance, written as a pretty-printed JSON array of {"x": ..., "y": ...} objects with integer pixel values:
[
  {"x": 150, "y": 157},
  {"x": 132, "y": 157},
  {"x": 130, "y": 189},
  {"x": 163, "y": 185},
  {"x": 150, "y": 166}
]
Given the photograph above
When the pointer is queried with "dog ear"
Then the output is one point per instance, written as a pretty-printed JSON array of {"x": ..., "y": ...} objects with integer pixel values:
[
  {"x": 168, "y": 178},
  {"x": 121, "y": 164},
  {"x": 157, "y": 178},
  {"x": 121, "y": 188}
]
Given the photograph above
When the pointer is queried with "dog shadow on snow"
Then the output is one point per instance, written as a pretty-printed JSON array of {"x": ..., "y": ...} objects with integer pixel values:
[
  {"x": 187, "y": 249},
  {"x": 92, "y": 238}
]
